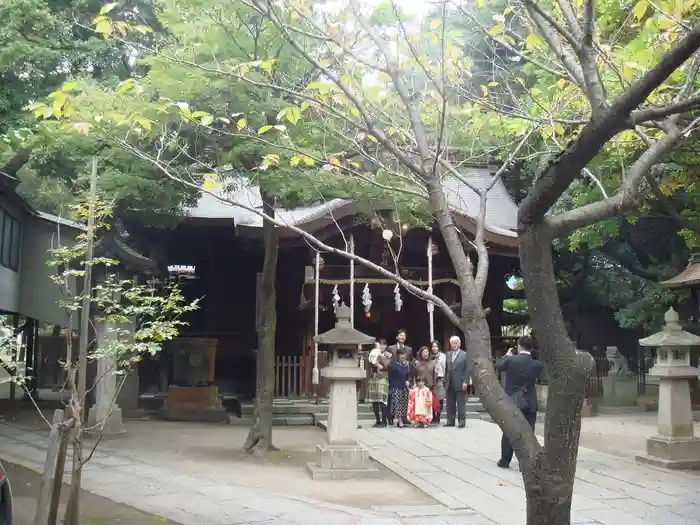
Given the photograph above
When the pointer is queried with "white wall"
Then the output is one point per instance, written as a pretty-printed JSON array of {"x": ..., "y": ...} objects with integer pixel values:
[{"x": 9, "y": 289}]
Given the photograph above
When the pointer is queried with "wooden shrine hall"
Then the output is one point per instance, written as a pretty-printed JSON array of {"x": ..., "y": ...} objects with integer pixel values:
[{"x": 217, "y": 254}]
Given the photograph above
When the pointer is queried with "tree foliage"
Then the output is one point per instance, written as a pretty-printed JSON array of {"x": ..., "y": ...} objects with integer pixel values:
[{"x": 591, "y": 98}]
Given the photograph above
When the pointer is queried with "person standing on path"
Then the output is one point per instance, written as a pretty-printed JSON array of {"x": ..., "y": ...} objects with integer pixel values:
[
  {"x": 424, "y": 368},
  {"x": 457, "y": 375},
  {"x": 401, "y": 343},
  {"x": 522, "y": 371},
  {"x": 399, "y": 375},
  {"x": 378, "y": 384},
  {"x": 440, "y": 366}
]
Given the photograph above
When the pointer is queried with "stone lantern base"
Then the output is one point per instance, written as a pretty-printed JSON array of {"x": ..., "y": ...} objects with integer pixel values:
[
  {"x": 336, "y": 462},
  {"x": 672, "y": 453}
]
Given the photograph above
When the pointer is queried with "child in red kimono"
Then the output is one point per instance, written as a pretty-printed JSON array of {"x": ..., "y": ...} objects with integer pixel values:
[{"x": 420, "y": 404}]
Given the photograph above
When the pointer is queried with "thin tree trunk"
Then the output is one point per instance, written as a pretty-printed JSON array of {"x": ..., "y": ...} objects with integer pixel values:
[
  {"x": 259, "y": 439},
  {"x": 549, "y": 481}
]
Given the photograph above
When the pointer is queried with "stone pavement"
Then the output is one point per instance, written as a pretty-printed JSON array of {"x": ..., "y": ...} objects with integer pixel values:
[
  {"x": 136, "y": 480},
  {"x": 457, "y": 468},
  {"x": 454, "y": 466}
]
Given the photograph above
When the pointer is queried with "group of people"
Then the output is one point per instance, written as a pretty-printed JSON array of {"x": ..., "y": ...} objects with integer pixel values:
[{"x": 415, "y": 390}]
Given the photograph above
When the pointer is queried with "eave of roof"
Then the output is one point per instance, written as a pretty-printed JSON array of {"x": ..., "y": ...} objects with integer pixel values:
[
  {"x": 501, "y": 212},
  {"x": 688, "y": 277}
]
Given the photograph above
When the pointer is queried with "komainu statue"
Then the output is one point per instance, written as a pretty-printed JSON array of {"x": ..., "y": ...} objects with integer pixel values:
[{"x": 617, "y": 361}]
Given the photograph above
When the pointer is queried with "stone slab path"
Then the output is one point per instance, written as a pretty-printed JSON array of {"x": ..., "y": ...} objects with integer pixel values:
[
  {"x": 458, "y": 468},
  {"x": 454, "y": 466}
]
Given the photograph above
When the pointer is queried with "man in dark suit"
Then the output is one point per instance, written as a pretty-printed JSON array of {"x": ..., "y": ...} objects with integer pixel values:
[
  {"x": 522, "y": 371},
  {"x": 401, "y": 343},
  {"x": 457, "y": 382}
]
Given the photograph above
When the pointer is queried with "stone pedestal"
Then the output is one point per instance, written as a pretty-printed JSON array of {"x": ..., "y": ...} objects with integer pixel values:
[
  {"x": 675, "y": 446},
  {"x": 342, "y": 457},
  {"x": 194, "y": 403},
  {"x": 128, "y": 397},
  {"x": 619, "y": 391},
  {"x": 105, "y": 416}
]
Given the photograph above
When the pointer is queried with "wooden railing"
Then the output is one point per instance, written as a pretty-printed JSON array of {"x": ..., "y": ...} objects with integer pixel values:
[{"x": 294, "y": 377}]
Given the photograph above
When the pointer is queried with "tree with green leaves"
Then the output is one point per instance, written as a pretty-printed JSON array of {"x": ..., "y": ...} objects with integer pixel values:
[
  {"x": 598, "y": 84},
  {"x": 137, "y": 321}
]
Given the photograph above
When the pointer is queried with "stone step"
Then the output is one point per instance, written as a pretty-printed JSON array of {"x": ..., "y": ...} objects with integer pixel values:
[
  {"x": 309, "y": 408},
  {"x": 365, "y": 423},
  {"x": 293, "y": 420}
]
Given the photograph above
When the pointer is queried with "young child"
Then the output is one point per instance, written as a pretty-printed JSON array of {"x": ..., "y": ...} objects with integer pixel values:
[{"x": 420, "y": 404}]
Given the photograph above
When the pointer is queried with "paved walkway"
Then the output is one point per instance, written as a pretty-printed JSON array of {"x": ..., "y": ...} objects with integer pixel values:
[
  {"x": 457, "y": 467},
  {"x": 454, "y": 466}
]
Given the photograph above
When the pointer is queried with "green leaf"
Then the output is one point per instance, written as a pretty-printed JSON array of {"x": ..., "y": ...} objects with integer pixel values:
[
  {"x": 207, "y": 120},
  {"x": 241, "y": 124},
  {"x": 640, "y": 9},
  {"x": 533, "y": 41},
  {"x": 280, "y": 127},
  {"x": 145, "y": 124},
  {"x": 435, "y": 24},
  {"x": 264, "y": 129},
  {"x": 211, "y": 182},
  {"x": 266, "y": 65},
  {"x": 104, "y": 27},
  {"x": 293, "y": 114},
  {"x": 125, "y": 86},
  {"x": 497, "y": 30},
  {"x": 185, "y": 109},
  {"x": 108, "y": 7},
  {"x": 69, "y": 86}
]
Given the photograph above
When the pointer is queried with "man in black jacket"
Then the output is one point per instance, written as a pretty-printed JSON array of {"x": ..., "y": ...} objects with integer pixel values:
[
  {"x": 401, "y": 343},
  {"x": 522, "y": 371}
]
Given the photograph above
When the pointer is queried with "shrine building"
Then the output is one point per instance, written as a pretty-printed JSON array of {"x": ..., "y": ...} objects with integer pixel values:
[{"x": 217, "y": 254}]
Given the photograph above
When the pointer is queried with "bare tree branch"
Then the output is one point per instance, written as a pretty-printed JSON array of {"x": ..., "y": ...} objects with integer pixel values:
[
  {"x": 565, "y": 168},
  {"x": 661, "y": 112},
  {"x": 550, "y": 34},
  {"x": 624, "y": 200}
]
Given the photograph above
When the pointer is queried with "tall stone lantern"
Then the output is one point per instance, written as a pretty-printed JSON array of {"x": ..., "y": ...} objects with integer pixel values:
[
  {"x": 341, "y": 456},
  {"x": 675, "y": 445}
]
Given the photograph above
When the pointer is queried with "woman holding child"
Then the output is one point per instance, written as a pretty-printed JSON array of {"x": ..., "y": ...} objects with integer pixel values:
[{"x": 378, "y": 384}]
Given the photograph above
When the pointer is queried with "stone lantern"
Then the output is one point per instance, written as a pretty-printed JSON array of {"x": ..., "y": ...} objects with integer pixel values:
[
  {"x": 675, "y": 445},
  {"x": 341, "y": 456}
]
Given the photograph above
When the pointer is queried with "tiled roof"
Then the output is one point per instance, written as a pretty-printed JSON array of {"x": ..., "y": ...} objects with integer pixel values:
[{"x": 501, "y": 211}]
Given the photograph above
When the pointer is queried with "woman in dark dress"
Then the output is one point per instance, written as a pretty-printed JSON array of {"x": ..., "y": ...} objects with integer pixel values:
[{"x": 399, "y": 376}]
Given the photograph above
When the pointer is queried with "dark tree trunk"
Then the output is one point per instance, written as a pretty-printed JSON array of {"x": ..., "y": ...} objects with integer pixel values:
[
  {"x": 259, "y": 439},
  {"x": 492, "y": 395},
  {"x": 549, "y": 480}
]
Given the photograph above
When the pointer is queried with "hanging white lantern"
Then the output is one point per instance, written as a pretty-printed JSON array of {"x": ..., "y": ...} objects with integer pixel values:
[
  {"x": 366, "y": 298},
  {"x": 336, "y": 298},
  {"x": 398, "y": 302}
]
